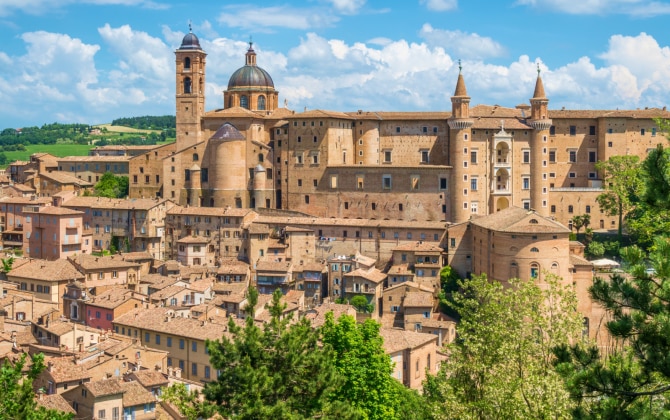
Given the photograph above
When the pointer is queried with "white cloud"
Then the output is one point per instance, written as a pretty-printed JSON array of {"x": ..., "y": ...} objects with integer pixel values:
[
  {"x": 348, "y": 7},
  {"x": 462, "y": 44},
  {"x": 259, "y": 18},
  {"x": 440, "y": 5},
  {"x": 640, "y": 8}
]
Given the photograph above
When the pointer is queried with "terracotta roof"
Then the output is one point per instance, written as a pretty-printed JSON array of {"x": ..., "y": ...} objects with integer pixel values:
[
  {"x": 150, "y": 378},
  {"x": 64, "y": 178},
  {"x": 208, "y": 211},
  {"x": 105, "y": 387},
  {"x": 400, "y": 269},
  {"x": 418, "y": 300},
  {"x": 397, "y": 340},
  {"x": 234, "y": 287},
  {"x": 233, "y": 112},
  {"x": 193, "y": 240},
  {"x": 420, "y": 246},
  {"x": 113, "y": 298},
  {"x": 113, "y": 203},
  {"x": 137, "y": 256},
  {"x": 539, "y": 88},
  {"x": 167, "y": 292},
  {"x": 64, "y": 369},
  {"x": 201, "y": 285},
  {"x": 319, "y": 113},
  {"x": 332, "y": 221},
  {"x": 297, "y": 229},
  {"x": 281, "y": 266},
  {"x": 154, "y": 320},
  {"x": 414, "y": 286},
  {"x": 93, "y": 159},
  {"x": 57, "y": 270},
  {"x": 372, "y": 274},
  {"x": 518, "y": 220},
  {"x": 317, "y": 315},
  {"x": 310, "y": 266},
  {"x": 460, "y": 87},
  {"x": 91, "y": 262},
  {"x": 576, "y": 260},
  {"x": 232, "y": 266},
  {"x": 54, "y": 402},
  {"x": 59, "y": 211},
  {"x": 25, "y": 200},
  {"x": 135, "y": 394}
]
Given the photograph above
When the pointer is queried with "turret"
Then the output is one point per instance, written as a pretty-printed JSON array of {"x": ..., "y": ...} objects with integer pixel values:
[{"x": 539, "y": 187}]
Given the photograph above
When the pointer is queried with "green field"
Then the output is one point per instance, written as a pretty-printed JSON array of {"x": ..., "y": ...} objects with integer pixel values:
[{"x": 59, "y": 150}]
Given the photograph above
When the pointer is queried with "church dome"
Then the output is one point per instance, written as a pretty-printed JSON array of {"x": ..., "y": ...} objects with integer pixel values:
[
  {"x": 250, "y": 75},
  {"x": 190, "y": 42}
]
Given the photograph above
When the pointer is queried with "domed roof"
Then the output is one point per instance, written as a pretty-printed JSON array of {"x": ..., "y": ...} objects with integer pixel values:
[
  {"x": 190, "y": 42},
  {"x": 250, "y": 75}
]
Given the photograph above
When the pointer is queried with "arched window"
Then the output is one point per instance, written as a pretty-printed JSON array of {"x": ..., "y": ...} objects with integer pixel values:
[
  {"x": 187, "y": 63},
  {"x": 244, "y": 102},
  {"x": 195, "y": 157},
  {"x": 534, "y": 270},
  {"x": 261, "y": 103},
  {"x": 585, "y": 328},
  {"x": 554, "y": 267},
  {"x": 187, "y": 85},
  {"x": 533, "y": 221},
  {"x": 533, "y": 249}
]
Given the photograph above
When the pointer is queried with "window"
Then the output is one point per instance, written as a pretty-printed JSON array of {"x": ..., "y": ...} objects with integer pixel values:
[
  {"x": 424, "y": 155},
  {"x": 473, "y": 156},
  {"x": 526, "y": 204},
  {"x": 642, "y": 131},
  {"x": 552, "y": 156},
  {"x": 474, "y": 206},
  {"x": 101, "y": 414},
  {"x": 194, "y": 368},
  {"x": 473, "y": 183},
  {"x": 552, "y": 131},
  {"x": 534, "y": 270},
  {"x": 397, "y": 129},
  {"x": 592, "y": 130},
  {"x": 194, "y": 346},
  {"x": 572, "y": 175},
  {"x": 572, "y": 156},
  {"x": 147, "y": 338},
  {"x": 414, "y": 181},
  {"x": 386, "y": 182},
  {"x": 592, "y": 175},
  {"x": 298, "y": 159},
  {"x": 360, "y": 182},
  {"x": 300, "y": 182},
  {"x": 387, "y": 156},
  {"x": 261, "y": 103},
  {"x": 158, "y": 339},
  {"x": 653, "y": 131},
  {"x": 571, "y": 209},
  {"x": 593, "y": 156},
  {"x": 207, "y": 372},
  {"x": 534, "y": 249},
  {"x": 525, "y": 181},
  {"x": 306, "y": 199},
  {"x": 244, "y": 101},
  {"x": 443, "y": 183},
  {"x": 573, "y": 130},
  {"x": 588, "y": 209},
  {"x": 333, "y": 181},
  {"x": 169, "y": 341},
  {"x": 315, "y": 159},
  {"x": 181, "y": 344},
  {"x": 526, "y": 156}
]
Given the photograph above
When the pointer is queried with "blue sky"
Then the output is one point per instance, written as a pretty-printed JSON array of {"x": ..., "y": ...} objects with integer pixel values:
[{"x": 95, "y": 60}]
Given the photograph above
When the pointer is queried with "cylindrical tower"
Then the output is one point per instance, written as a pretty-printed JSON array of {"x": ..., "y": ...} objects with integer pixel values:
[
  {"x": 259, "y": 186},
  {"x": 460, "y": 136},
  {"x": 539, "y": 185},
  {"x": 227, "y": 166},
  {"x": 190, "y": 90}
]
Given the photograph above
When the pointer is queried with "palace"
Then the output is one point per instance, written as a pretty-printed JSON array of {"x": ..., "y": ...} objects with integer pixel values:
[{"x": 411, "y": 166}]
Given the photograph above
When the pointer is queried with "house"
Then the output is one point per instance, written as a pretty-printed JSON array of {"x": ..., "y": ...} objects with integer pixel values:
[
  {"x": 365, "y": 282},
  {"x": 103, "y": 308},
  {"x": 413, "y": 353},
  {"x": 272, "y": 275},
  {"x": 104, "y": 272},
  {"x": 61, "y": 374},
  {"x": 111, "y": 398},
  {"x": 310, "y": 278},
  {"x": 54, "y": 233}
]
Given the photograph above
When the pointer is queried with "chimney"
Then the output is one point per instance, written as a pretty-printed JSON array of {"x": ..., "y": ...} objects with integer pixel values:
[
  {"x": 50, "y": 367},
  {"x": 177, "y": 373}
]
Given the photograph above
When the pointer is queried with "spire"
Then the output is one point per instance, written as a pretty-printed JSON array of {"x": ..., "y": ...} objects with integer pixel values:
[
  {"x": 251, "y": 54},
  {"x": 460, "y": 83},
  {"x": 539, "y": 87}
]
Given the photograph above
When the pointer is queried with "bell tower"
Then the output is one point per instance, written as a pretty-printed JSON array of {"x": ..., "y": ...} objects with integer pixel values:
[
  {"x": 460, "y": 135},
  {"x": 539, "y": 120},
  {"x": 190, "y": 90}
]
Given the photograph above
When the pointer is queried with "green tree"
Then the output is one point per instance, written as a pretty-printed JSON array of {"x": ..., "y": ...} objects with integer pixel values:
[
  {"x": 501, "y": 364},
  {"x": 18, "y": 397},
  {"x": 278, "y": 371},
  {"x": 623, "y": 182},
  {"x": 633, "y": 380},
  {"x": 112, "y": 186},
  {"x": 595, "y": 249},
  {"x": 449, "y": 281},
  {"x": 190, "y": 403},
  {"x": 361, "y": 304},
  {"x": 366, "y": 368},
  {"x": 581, "y": 221}
]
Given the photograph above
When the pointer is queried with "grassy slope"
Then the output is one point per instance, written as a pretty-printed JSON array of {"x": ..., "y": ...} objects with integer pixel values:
[{"x": 55, "y": 149}]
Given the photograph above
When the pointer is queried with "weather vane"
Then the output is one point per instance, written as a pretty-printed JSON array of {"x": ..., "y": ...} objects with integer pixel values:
[
  {"x": 459, "y": 66},
  {"x": 190, "y": 28},
  {"x": 538, "y": 69}
]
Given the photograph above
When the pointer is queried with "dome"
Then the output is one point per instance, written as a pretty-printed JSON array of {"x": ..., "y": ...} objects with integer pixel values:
[
  {"x": 190, "y": 42},
  {"x": 250, "y": 76}
]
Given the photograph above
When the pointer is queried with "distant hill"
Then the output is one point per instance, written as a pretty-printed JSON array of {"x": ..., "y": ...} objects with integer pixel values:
[{"x": 148, "y": 122}]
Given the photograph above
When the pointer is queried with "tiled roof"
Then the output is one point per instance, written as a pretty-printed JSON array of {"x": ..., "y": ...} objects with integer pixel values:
[
  {"x": 193, "y": 240},
  {"x": 317, "y": 315},
  {"x": 149, "y": 378},
  {"x": 113, "y": 298},
  {"x": 57, "y": 270},
  {"x": 208, "y": 211},
  {"x": 91, "y": 262},
  {"x": 400, "y": 269},
  {"x": 64, "y": 178},
  {"x": 331, "y": 221},
  {"x": 418, "y": 300},
  {"x": 105, "y": 387},
  {"x": 93, "y": 159},
  {"x": 420, "y": 246},
  {"x": 135, "y": 394},
  {"x": 518, "y": 220},
  {"x": 281, "y": 266},
  {"x": 232, "y": 266},
  {"x": 576, "y": 260},
  {"x": 55, "y": 402},
  {"x": 154, "y": 320},
  {"x": 396, "y": 340},
  {"x": 137, "y": 256},
  {"x": 319, "y": 113},
  {"x": 59, "y": 211},
  {"x": 372, "y": 274},
  {"x": 414, "y": 286},
  {"x": 113, "y": 203},
  {"x": 64, "y": 369}
]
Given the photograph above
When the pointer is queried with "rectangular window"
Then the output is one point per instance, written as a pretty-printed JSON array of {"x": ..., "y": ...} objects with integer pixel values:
[
  {"x": 552, "y": 156},
  {"x": 194, "y": 346},
  {"x": 473, "y": 183},
  {"x": 414, "y": 179},
  {"x": 424, "y": 156},
  {"x": 360, "y": 182},
  {"x": 572, "y": 156},
  {"x": 298, "y": 159},
  {"x": 207, "y": 372},
  {"x": 552, "y": 131},
  {"x": 593, "y": 156},
  {"x": 474, "y": 207},
  {"x": 525, "y": 181},
  {"x": 592, "y": 130},
  {"x": 386, "y": 182},
  {"x": 181, "y": 344},
  {"x": 333, "y": 181},
  {"x": 194, "y": 369},
  {"x": 526, "y": 156},
  {"x": 473, "y": 156},
  {"x": 572, "y": 175},
  {"x": 592, "y": 175},
  {"x": 573, "y": 130},
  {"x": 443, "y": 184},
  {"x": 387, "y": 156},
  {"x": 169, "y": 341},
  {"x": 158, "y": 339}
]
